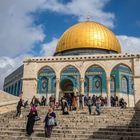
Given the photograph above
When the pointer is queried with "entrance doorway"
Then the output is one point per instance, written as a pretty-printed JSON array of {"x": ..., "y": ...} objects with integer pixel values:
[{"x": 67, "y": 86}]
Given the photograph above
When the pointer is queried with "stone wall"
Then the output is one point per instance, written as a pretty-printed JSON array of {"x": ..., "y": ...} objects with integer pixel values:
[
  {"x": 82, "y": 63},
  {"x": 8, "y": 102}
]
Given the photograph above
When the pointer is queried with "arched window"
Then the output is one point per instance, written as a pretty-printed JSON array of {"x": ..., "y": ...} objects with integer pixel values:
[
  {"x": 46, "y": 76},
  {"x": 96, "y": 79},
  {"x": 113, "y": 85},
  {"x": 123, "y": 79},
  {"x": 124, "y": 82}
]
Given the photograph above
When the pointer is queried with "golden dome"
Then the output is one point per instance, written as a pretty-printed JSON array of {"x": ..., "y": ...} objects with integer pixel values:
[{"x": 89, "y": 35}]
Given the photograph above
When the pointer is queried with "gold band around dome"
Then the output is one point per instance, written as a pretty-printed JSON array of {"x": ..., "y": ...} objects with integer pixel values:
[{"x": 88, "y": 35}]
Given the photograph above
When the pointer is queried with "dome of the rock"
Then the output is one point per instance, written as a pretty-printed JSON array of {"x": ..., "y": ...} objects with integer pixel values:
[{"x": 88, "y": 35}]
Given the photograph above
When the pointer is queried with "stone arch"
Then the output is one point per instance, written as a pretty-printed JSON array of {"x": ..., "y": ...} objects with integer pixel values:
[
  {"x": 44, "y": 67},
  {"x": 45, "y": 80},
  {"x": 70, "y": 73},
  {"x": 125, "y": 64},
  {"x": 123, "y": 81},
  {"x": 96, "y": 76},
  {"x": 70, "y": 65},
  {"x": 88, "y": 65},
  {"x": 92, "y": 65}
]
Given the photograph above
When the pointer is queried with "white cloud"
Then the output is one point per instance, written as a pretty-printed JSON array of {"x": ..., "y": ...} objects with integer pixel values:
[
  {"x": 18, "y": 34},
  {"x": 8, "y": 65},
  {"x": 83, "y": 8},
  {"x": 48, "y": 49},
  {"x": 129, "y": 44}
]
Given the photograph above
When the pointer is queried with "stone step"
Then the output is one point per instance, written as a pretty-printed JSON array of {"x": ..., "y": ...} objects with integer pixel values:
[
  {"x": 115, "y": 137},
  {"x": 55, "y": 130},
  {"x": 118, "y": 133},
  {"x": 120, "y": 129},
  {"x": 3, "y": 137},
  {"x": 41, "y": 134},
  {"x": 112, "y": 123}
]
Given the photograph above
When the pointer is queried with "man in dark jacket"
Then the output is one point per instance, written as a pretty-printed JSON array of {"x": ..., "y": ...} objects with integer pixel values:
[{"x": 19, "y": 105}]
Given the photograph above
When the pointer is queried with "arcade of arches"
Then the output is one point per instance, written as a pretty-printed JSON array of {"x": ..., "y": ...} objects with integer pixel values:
[{"x": 94, "y": 81}]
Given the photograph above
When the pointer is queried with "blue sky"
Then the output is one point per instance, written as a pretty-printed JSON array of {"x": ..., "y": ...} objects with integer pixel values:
[
  {"x": 32, "y": 27},
  {"x": 127, "y": 19}
]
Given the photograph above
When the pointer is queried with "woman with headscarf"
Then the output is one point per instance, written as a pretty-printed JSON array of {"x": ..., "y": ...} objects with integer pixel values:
[
  {"x": 50, "y": 122},
  {"x": 31, "y": 120}
]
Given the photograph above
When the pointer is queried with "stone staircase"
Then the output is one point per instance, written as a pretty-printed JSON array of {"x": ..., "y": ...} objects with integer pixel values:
[{"x": 112, "y": 124}]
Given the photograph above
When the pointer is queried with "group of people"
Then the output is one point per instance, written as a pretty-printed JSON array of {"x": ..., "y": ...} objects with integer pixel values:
[
  {"x": 49, "y": 120},
  {"x": 21, "y": 104},
  {"x": 116, "y": 102},
  {"x": 68, "y": 102},
  {"x": 37, "y": 102}
]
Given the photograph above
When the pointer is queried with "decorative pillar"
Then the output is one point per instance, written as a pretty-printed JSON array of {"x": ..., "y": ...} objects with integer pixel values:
[
  {"x": 82, "y": 89},
  {"x": 57, "y": 90},
  {"x": 82, "y": 85},
  {"x": 108, "y": 91}
]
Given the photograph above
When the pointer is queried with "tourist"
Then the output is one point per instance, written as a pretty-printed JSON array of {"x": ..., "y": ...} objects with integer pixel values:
[
  {"x": 122, "y": 103},
  {"x": 64, "y": 106},
  {"x": 98, "y": 106},
  {"x": 89, "y": 104},
  {"x": 31, "y": 120},
  {"x": 69, "y": 101},
  {"x": 116, "y": 100},
  {"x": 25, "y": 104},
  {"x": 102, "y": 100},
  {"x": 43, "y": 101},
  {"x": 19, "y": 105},
  {"x": 50, "y": 122},
  {"x": 35, "y": 101},
  {"x": 105, "y": 101},
  {"x": 74, "y": 103},
  {"x": 81, "y": 101},
  {"x": 85, "y": 99},
  {"x": 112, "y": 101},
  {"x": 52, "y": 102},
  {"x": 94, "y": 99}
]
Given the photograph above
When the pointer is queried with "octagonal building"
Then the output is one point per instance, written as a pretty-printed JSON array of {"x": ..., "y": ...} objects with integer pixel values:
[{"x": 87, "y": 61}]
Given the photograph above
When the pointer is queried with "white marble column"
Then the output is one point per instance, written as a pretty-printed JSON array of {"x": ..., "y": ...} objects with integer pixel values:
[
  {"x": 82, "y": 89},
  {"x": 82, "y": 85},
  {"x": 108, "y": 91},
  {"x": 57, "y": 90}
]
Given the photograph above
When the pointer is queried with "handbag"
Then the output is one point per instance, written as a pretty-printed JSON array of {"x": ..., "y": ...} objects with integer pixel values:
[
  {"x": 37, "y": 118},
  {"x": 51, "y": 121}
]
